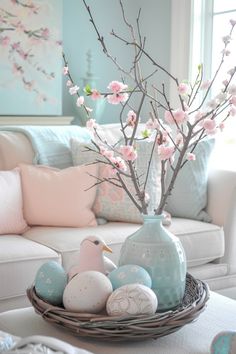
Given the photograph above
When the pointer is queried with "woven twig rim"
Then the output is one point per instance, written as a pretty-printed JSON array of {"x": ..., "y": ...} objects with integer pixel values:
[{"x": 123, "y": 328}]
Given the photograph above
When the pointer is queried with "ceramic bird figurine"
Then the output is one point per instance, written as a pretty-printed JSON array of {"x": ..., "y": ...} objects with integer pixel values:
[{"x": 90, "y": 256}]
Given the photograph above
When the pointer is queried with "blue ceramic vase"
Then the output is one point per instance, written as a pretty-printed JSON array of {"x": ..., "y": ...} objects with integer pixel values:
[{"x": 161, "y": 253}]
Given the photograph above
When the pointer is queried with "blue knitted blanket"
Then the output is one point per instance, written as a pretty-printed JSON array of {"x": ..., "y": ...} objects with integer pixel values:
[{"x": 51, "y": 144}]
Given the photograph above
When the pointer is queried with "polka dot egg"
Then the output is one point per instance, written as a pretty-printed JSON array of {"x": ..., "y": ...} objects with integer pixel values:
[
  {"x": 129, "y": 274},
  {"x": 50, "y": 282}
]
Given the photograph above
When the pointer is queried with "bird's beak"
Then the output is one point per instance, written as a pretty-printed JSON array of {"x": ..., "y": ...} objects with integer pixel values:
[{"x": 106, "y": 248}]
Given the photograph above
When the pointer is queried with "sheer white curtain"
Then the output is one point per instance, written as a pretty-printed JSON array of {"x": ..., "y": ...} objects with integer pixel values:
[{"x": 208, "y": 23}]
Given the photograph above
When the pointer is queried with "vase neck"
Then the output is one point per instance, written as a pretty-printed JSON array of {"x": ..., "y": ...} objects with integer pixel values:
[{"x": 152, "y": 218}]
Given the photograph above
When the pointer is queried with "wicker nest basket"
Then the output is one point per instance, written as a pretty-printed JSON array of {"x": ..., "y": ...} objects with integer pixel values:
[{"x": 142, "y": 327}]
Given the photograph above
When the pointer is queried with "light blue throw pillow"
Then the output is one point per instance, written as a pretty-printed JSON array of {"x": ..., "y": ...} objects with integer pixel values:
[{"x": 189, "y": 196}]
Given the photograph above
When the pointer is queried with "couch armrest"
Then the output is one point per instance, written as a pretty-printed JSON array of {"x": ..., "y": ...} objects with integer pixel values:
[{"x": 222, "y": 208}]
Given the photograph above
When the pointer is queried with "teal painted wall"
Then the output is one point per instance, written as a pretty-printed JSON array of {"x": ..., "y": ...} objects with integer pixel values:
[{"x": 79, "y": 37}]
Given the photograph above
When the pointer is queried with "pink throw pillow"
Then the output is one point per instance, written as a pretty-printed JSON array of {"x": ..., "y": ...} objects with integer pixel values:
[
  {"x": 11, "y": 203},
  {"x": 55, "y": 197}
]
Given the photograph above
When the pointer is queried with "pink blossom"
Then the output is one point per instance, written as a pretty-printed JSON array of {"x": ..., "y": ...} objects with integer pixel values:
[
  {"x": 222, "y": 126},
  {"x": 152, "y": 124},
  {"x": 109, "y": 154},
  {"x": 91, "y": 124},
  {"x": 225, "y": 82},
  {"x": 198, "y": 116},
  {"x": 117, "y": 98},
  {"x": 73, "y": 90},
  {"x": 165, "y": 152},
  {"x": 95, "y": 95},
  {"x": 69, "y": 83},
  {"x": 190, "y": 156},
  {"x": 179, "y": 116},
  {"x": 205, "y": 85},
  {"x": 231, "y": 71},
  {"x": 226, "y": 39},
  {"x": 226, "y": 52},
  {"x": 212, "y": 103},
  {"x": 210, "y": 126},
  {"x": 65, "y": 70},
  {"x": 233, "y": 100},
  {"x": 80, "y": 101},
  {"x": 183, "y": 88},
  {"x": 232, "y": 89},
  {"x": 179, "y": 139},
  {"x": 131, "y": 118},
  {"x": 232, "y": 21},
  {"x": 119, "y": 164},
  {"x": 116, "y": 86},
  {"x": 232, "y": 111},
  {"x": 221, "y": 97},
  {"x": 128, "y": 152}
]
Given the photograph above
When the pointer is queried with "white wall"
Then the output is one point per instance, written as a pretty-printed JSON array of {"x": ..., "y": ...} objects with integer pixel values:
[{"x": 79, "y": 37}]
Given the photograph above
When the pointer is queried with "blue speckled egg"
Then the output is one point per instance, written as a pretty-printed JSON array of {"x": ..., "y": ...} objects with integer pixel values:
[
  {"x": 129, "y": 274},
  {"x": 50, "y": 282}
]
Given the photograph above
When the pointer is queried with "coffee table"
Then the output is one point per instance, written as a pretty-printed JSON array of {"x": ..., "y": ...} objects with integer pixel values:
[{"x": 194, "y": 338}]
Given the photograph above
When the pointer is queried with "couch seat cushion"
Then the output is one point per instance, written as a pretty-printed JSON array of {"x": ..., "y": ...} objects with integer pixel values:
[
  {"x": 19, "y": 261},
  {"x": 202, "y": 242}
]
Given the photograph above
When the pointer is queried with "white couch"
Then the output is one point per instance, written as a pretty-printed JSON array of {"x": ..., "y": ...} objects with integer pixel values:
[{"x": 210, "y": 247}]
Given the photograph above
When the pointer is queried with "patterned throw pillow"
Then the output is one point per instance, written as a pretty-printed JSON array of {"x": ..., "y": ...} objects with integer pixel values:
[
  {"x": 112, "y": 203},
  {"x": 189, "y": 196}
]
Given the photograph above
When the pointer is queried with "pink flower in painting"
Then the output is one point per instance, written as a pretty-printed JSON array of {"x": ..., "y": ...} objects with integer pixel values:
[
  {"x": 116, "y": 86},
  {"x": 4, "y": 41},
  {"x": 233, "y": 100},
  {"x": 65, "y": 70},
  {"x": 69, "y": 83},
  {"x": 91, "y": 124},
  {"x": 131, "y": 118},
  {"x": 73, "y": 90},
  {"x": 95, "y": 95},
  {"x": 190, "y": 156},
  {"x": 210, "y": 126},
  {"x": 117, "y": 98},
  {"x": 45, "y": 33},
  {"x": 128, "y": 152},
  {"x": 183, "y": 88},
  {"x": 80, "y": 101},
  {"x": 165, "y": 152}
]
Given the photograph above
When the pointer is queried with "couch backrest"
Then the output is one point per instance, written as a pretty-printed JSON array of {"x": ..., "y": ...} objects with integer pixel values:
[{"x": 15, "y": 148}]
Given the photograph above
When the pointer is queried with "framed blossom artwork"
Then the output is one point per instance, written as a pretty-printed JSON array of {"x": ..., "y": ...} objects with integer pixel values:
[{"x": 30, "y": 57}]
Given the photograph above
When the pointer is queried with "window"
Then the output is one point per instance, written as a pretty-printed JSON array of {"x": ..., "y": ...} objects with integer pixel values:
[{"x": 210, "y": 23}]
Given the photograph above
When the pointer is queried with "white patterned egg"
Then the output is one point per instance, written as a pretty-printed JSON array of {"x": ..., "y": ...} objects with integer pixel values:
[
  {"x": 132, "y": 299},
  {"x": 87, "y": 292},
  {"x": 129, "y": 274},
  {"x": 50, "y": 282}
]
